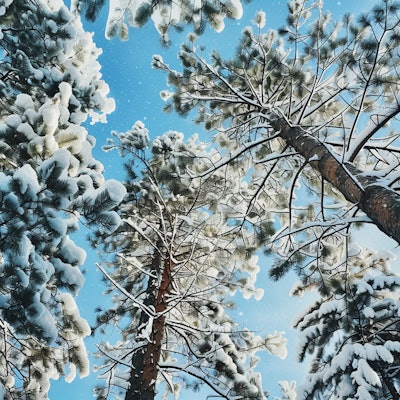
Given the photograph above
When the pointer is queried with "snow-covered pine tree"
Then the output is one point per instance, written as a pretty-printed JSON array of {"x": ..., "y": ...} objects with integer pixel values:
[
  {"x": 165, "y": 14},
  {"x": 311, "y": 110},
  {"x": 173, "y": 266},
  {"x": 50, "y": 83},
  {"x": 352, "y": 333}
]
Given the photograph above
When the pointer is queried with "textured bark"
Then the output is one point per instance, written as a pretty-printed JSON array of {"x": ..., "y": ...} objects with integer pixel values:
[
  {"x": 379, "y": 202},
  {"x": 153, "y": 351},
  {"x": 137, "y": 362},
  {"x": 144, "y": 362}
]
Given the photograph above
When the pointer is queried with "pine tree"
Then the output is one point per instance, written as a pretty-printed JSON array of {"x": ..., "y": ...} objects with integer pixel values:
[
  {"x": 311, "y": 111},
  {"x": 352, "y": 333},
  {"x": 50, "y": 83},
  {"x": 173, "y": 267}
]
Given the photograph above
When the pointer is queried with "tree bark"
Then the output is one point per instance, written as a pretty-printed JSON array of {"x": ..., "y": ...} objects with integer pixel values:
[
  {"x": 153, "y": 351},
  {"x": 144, "y": 370},
  {"x": 380, "y": 203},
  {"x": 137, "y": 362}
]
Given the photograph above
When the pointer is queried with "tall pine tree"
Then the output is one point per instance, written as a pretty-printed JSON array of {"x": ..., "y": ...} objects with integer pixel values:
[
  {"x": 174, "y": 265},
  {"x": 50, "y": 83}
]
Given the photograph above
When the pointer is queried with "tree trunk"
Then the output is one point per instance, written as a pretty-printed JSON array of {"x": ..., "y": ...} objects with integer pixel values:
[
  {"x": 145, "y": 363},
  {"x": 137, "y": 362},
  {"x": 153, "y": 351},
  {"x": 380, "y": 203}
]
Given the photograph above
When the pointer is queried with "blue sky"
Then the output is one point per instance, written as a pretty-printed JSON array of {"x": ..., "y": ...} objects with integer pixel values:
[{"x": 135, "y": 86}]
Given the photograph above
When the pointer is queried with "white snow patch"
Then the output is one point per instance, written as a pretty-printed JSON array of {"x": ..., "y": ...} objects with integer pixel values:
[
  {"x": 71, "y": 253},
  {"x": 288, "y": 390},
  {"x": 28, "y": 182},
  {"x": 24, "y": 101},
  {"x": 50, "y": 114},
  {"x": 115, "y": 189},
  {"x": 13, "y": 121},
  {"x": 276, "y": 344},
  {"x": 369, "y": 312}
]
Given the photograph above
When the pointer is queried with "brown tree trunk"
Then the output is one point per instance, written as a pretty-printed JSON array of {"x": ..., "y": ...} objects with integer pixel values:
[
  {"x": 153, "y": 351},
  {"x": 145, "y": 364},
  {"x": 379, "y": 202},
  {"x": 137, "y": 362}
]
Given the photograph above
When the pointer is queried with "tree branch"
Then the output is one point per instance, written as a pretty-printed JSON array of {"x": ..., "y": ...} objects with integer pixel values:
[{"x": 379, "y": 202}]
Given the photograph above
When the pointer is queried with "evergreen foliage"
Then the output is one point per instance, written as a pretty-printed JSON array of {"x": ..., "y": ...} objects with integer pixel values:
[
  {"x": 165, "y": 14},
  {"x": 353, "y": 332},
  {"x": 89, "y": 8},
  {"x": 305, "y": 122},
  {"x": 49, "y": 84}
]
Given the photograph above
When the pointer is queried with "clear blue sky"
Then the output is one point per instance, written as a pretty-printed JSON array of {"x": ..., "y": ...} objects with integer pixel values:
[{"x": 135, "y": 86}]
